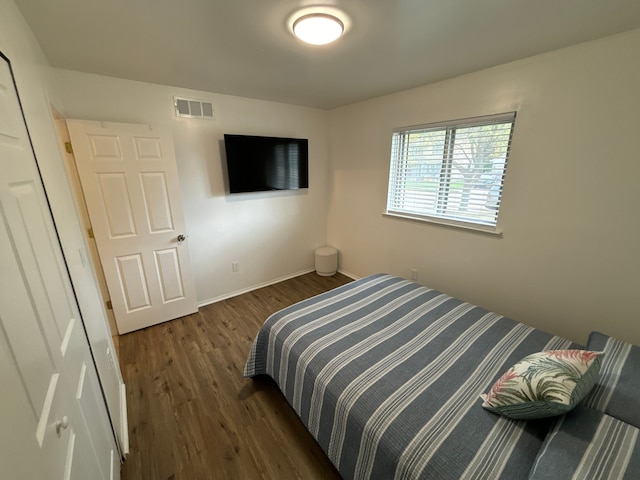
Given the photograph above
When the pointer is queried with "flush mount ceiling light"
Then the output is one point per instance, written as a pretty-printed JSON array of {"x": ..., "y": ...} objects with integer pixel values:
[
  {"x": 318, "y": 28},
  {"x": 318, "y": 25}
]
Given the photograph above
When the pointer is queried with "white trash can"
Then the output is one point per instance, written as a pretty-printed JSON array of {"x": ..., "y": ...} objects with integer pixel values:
[{"x": 326, "y": 261}]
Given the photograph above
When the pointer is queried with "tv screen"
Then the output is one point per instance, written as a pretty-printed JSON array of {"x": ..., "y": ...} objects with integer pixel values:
[{"x": 258, "y": 164}]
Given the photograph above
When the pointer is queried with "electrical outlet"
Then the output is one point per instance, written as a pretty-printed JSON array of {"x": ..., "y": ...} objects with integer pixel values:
[
  {"x": 235, "y": 266},
  {"x": 414, "y": 274}
]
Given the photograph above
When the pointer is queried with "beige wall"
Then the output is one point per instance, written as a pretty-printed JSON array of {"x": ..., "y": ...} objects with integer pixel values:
[
  {"x": 568, "y": 261},
  {"x": 272, "y": 235}
]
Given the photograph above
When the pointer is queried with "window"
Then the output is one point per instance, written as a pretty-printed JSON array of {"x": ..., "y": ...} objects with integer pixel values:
[{"x": 451, "y": 172}]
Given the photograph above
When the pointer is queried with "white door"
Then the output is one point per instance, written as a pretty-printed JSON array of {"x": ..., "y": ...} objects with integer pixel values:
[
  {"x": 54, "y": 421},
  {"x": 130, "y": 182}
]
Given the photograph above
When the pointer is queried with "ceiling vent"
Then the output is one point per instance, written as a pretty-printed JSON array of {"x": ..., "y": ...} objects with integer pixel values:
[{"x": 192, "y": 108}]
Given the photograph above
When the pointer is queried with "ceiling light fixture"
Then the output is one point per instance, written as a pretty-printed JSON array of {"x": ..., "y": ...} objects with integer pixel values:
[{"x": 318, "y": 28}]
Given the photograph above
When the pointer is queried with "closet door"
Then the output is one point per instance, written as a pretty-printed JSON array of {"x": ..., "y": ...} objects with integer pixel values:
[{"x": 54, "y": 420}]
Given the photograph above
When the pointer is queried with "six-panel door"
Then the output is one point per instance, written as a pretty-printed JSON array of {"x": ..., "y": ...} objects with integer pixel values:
[{"x": 130, "y": 183}]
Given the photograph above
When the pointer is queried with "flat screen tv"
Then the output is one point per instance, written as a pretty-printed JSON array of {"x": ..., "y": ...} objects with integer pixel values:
[{"x": 258, "y": 164}]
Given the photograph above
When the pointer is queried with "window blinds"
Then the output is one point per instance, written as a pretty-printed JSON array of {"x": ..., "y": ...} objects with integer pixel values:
[{"x": 452, "y": 171}]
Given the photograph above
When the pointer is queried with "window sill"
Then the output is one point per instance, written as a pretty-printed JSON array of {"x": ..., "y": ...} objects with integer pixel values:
[{"x": 469, "y": 227}]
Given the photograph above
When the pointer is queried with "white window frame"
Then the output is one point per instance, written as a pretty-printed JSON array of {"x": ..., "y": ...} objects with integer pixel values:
[{"x": 434, "y": 207}]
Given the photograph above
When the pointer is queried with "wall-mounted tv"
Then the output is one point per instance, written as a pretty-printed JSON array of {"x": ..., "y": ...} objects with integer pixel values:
[{"x": 258, "y": 164}]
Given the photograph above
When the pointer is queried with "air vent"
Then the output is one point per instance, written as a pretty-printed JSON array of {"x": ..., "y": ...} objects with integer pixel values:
[{"x": 192, "y": 108}]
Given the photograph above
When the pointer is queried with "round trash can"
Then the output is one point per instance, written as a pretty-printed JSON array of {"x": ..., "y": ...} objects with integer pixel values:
[{"x": 326, "y": 261}]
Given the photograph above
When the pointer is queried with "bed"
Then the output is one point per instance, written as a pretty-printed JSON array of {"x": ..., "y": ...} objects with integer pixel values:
[{"x": 386, "y": 375}]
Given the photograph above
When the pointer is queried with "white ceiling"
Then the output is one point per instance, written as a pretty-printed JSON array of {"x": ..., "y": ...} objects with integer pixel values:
[{"x": 244, "y": 48}]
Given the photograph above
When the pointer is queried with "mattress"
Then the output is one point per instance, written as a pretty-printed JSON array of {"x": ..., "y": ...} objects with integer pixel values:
[{"x": 386, "y": 375}]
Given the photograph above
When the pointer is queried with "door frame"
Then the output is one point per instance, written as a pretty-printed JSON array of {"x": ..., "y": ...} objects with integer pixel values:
[
  {"x": 101, "y": 329},
  {"x": 79, "y": 200}
]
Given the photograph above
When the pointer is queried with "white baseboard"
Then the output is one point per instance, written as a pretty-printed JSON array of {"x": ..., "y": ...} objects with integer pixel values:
[
  {"x": 124, "y": 421},
  {"x": 235, "y": 293},
  {"x": 350, "y": 275},
  {"x": 253, "y": 287}
]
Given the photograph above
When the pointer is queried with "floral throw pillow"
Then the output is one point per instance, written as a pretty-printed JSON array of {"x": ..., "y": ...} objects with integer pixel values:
[{"x": 544, "y": 384}]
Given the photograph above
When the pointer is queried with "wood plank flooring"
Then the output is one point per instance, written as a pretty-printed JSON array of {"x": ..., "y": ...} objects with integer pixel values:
[{"x": 193, "y": 416}]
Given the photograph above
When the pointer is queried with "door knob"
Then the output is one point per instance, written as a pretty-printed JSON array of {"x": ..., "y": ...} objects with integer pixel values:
[
  {"x": 62, "y": 424},
  {"x": 181, "y": 238}
]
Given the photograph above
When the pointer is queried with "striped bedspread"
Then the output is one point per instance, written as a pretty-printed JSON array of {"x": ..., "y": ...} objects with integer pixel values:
[
  {"x": 589, "y": 444},
  {"x": 386, "y": 375}
]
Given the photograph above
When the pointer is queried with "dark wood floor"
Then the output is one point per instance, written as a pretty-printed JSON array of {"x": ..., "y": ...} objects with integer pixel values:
[{"x": 193, "y": 416}]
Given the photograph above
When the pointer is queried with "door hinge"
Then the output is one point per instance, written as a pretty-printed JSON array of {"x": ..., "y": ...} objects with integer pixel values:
[
  {"x": 68, "y": 147},
  {"x": 90, "y": 233},
  {"x": 109, "y": 306}
]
